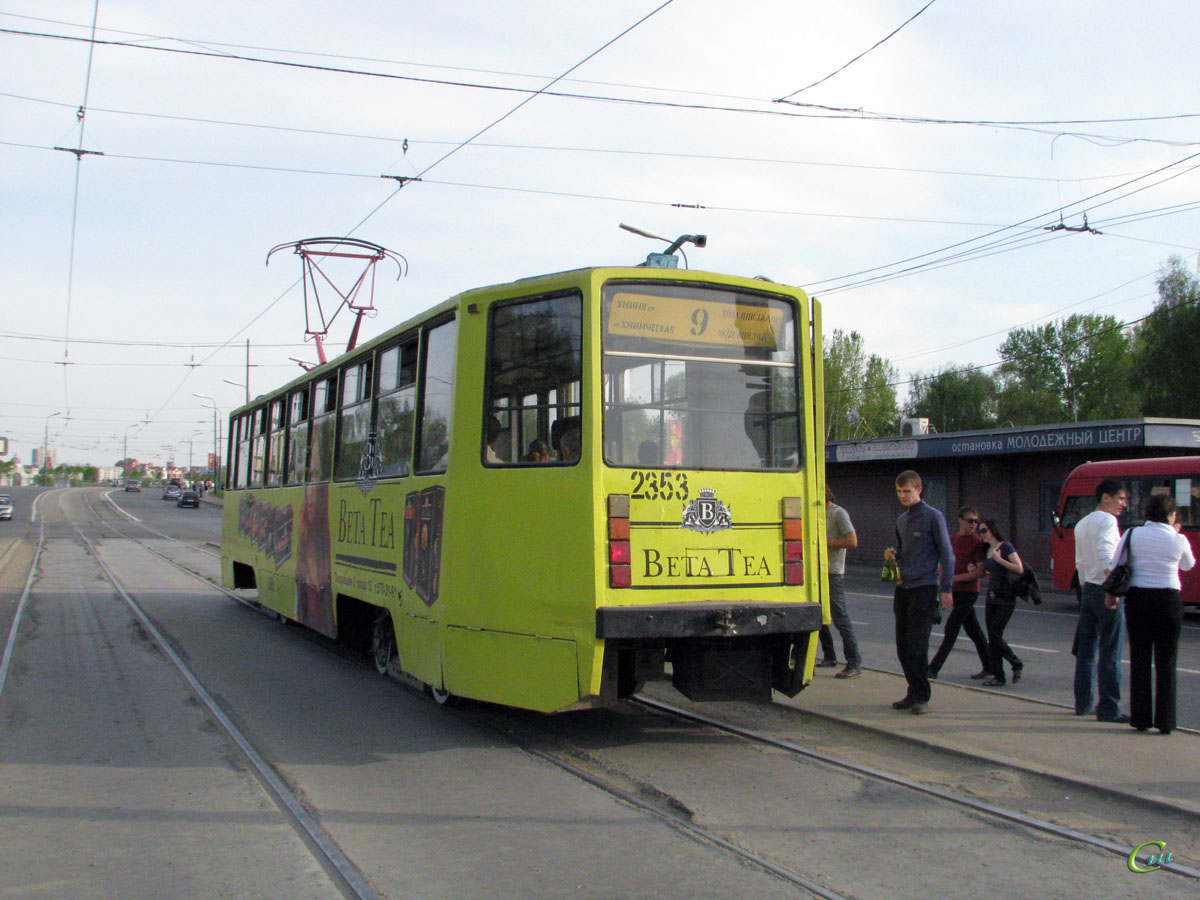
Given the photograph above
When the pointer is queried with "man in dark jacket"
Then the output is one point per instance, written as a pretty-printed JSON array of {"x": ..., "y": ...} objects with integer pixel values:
[{"x": 926, "y": 563}]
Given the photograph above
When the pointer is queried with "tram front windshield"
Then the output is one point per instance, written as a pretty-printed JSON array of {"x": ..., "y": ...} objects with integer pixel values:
[{"x": 699, "y": 378}]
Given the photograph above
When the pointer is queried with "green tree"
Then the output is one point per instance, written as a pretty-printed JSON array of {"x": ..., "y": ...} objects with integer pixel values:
[
  {"x": 860, "y": 391},
  {"x": 1167, "y": 347},
  {"x": 1071, "y": 369},
  {"x": 954, "y": 399}
]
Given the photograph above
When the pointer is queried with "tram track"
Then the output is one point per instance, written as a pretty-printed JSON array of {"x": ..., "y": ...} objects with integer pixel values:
[
  {"x": 580, "y": 764},
  {"x": 325, "y": 851}
]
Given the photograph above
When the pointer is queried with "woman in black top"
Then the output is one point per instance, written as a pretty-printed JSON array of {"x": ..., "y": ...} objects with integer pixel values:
[{"x": 1002, "y": 558}]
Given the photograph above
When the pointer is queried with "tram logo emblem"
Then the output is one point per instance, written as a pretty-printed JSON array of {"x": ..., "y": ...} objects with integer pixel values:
[
  {"x": 707, "y": 514},
  {"x": 370, "y": 466}
]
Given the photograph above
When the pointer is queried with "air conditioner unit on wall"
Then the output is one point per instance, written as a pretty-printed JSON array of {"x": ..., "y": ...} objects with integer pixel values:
[{"x": 910, "y": 427}]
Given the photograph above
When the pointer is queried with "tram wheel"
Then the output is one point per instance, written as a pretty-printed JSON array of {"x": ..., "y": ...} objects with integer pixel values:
[
  {"x": 443, "y": 697},
  {"x": 383, "y": 643}
]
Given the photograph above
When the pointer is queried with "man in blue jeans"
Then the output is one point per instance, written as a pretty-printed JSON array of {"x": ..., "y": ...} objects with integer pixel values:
[
  {"x": 1100, "y": 632},
  {"x": 840, "y": 535}
]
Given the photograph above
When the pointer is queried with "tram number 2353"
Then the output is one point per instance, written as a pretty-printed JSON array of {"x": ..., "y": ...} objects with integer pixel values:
[{"x": 659, "y": 485}]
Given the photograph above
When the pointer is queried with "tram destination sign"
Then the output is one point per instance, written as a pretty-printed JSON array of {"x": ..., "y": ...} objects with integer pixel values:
[{"x": 695, "y": 321}]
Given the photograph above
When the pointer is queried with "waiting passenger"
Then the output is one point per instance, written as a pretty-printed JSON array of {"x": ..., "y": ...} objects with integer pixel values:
[{"x": 1002, "y": 558}]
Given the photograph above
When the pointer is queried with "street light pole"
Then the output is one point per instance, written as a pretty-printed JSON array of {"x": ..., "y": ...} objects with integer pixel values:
[
  {"x": 216, "y": 440},
  {"x": 46, "y": 441}
]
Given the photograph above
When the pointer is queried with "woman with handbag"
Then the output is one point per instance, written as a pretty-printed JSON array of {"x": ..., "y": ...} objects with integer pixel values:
[
  {"x": 1001, "y": 559},
  {"x": 1153, "y": 612}
]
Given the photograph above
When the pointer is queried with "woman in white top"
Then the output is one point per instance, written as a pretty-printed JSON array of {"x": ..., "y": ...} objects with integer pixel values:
[{"x": 1154, "y": 612}]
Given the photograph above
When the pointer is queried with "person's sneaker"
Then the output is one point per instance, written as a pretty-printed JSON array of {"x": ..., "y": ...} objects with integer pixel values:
[
  {"x": 906, "y": 703},
  {"x": 849, "y": 672},
  {"x": 829, "y": 663},
  {"x": 1121, "y": 719},
  {"x": 978, "y": 676},
  {"x": 919, "y": 709}
]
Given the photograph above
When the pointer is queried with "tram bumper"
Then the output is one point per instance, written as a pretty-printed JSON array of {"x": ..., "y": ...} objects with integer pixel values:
[{"x": 718, "y": 651}]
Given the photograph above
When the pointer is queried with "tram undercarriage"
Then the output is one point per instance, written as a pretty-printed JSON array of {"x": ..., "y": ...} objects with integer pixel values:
[{"x": 716, "y": 651}]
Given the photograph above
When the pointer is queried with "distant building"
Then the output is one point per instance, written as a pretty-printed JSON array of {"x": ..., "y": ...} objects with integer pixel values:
[
  {"x": 43, "y": 460},
  {"x": 1012, "y": 475}
]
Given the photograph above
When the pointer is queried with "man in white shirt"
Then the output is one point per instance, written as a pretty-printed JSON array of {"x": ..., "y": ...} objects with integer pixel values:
[{"x": 1100, "y": 633}]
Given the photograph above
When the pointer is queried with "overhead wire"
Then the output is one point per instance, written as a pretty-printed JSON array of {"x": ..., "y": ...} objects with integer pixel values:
[
  {"x": 1036, "y": 126},
  {"x": 616, "y": 151},
  {"x": 844, "y": 66},
  {"x": 1021, "y": 224}
]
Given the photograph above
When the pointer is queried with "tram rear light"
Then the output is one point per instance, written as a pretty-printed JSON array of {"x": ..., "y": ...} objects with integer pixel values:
[
  {"x": 793, "y": 540},
  {"x": 620, "y": 574}
]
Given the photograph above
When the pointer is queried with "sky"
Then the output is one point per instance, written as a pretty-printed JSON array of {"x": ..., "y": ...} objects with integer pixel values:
[{"x": 908, "y": 184}]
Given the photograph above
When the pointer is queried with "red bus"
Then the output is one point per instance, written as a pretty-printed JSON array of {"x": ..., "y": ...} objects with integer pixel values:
[{"x": 1176, "y": 476}]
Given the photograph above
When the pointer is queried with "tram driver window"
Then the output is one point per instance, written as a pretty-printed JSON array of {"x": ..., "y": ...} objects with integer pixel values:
[{"x": 534, "y": 379}]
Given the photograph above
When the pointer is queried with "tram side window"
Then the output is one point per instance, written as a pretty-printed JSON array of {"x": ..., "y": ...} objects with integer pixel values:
[
  {"x": 324, "y": 406},
  {"x": 396, "y": 409},
  {"x": 355, "y": 419},
  {"x": 258, "y": 451},
  {"x": 535, "y": 372},
  {"x": 242, "y": 466},
  {"x": 275, "y": 444},
  {"x": 297, "y": 437},
  {"x": 437, "y": 397}
]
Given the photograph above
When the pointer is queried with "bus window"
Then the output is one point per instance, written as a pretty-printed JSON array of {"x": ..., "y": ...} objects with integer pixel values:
[
  {"x": 355, "y": 420},
  {"x": 324, "y": 404},
  {"x": 275, "y": 445},
  {"x": 396, "y": 407},
  {"x": 437, "y": 397},
  {"x": 699, "y": 378},
  {"x": 1187, "y": 502},
  {"x": 297, "y": 437},
  {"x": 535, "y": 368}
]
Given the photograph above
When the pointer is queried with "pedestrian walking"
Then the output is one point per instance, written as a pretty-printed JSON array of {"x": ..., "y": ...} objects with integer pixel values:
[
  {"x": 969, "y": 556},
  {"x": 1154, "y": 612},
  {"x": 926, "y": 567},
  {"x": 1002, "y": 558},
  {"x": 840, "y": 535},
  {"x": 1099, "y": 632}
]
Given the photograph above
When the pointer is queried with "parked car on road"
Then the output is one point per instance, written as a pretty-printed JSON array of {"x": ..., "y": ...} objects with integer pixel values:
[
  {"x": 5, "y": 507},
  {"x": 133, "y": 486},
  {"x": 172, "y": 492},
  {"x": 188, "y": 498}
]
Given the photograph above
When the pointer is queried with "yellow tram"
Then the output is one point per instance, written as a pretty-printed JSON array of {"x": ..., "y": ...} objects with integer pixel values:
[{"x": 543, "y": 493}]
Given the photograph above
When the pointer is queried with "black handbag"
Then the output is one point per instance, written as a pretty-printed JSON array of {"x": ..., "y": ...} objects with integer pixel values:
[{"x": 1117, "y": 582}]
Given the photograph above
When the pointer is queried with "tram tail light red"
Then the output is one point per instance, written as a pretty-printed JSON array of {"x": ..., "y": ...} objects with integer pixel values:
[
  {"x": 620, "y": 573},
  {"x": 793, "y": 541}
]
